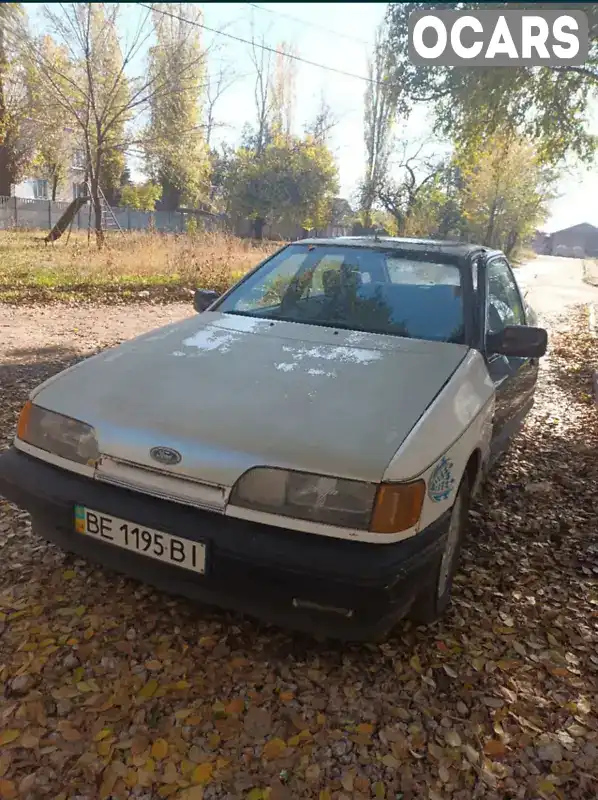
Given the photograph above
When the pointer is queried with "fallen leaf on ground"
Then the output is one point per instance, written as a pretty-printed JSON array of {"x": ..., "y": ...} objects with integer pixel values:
[
  {"x": 9, "y": 735},
  {"x": 274, "y": 749},
  {"x": 149, "y": 689},
  {"x": 453, "y": 738},
  {"x": 202, "y": 773},
  {"x": 365, "y": 728},
  {"x": 8, "y": 790},
  {"x": 159, "y": 749},
  {"x": 494, "y": 747}
]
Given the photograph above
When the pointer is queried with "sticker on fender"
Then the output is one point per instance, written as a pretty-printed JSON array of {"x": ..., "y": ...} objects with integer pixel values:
[
  {"x": 148, "y": 542},
  {"x": 442, "y": 482}
]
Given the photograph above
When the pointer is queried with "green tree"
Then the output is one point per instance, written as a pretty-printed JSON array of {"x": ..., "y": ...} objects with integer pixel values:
[
  {"x": 91, "y": 87},
  {"x": 176, "y": 150},
  {"x": 505, "y": 191},
  {"x": 16, "y": 131},
  {"x": 292, "y": 180},
  {"x": 55, "y": 140},
  {"x": 221, "y": 162},
  {"x": 547, "y": 104},
  {"x": 110, "y": 80},
  {"x": 437, "y": 210},
  {"x": 406, "y": 191},
  {"x": 102, "y": 98},
  {"x": 141, "y": 196},
  {"x": 341, "y": 212}
]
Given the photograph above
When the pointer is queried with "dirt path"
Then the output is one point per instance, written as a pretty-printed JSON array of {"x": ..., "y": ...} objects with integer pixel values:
[
  {"x": 115, "y": 690},
  {"x": 554, "y": 283}
]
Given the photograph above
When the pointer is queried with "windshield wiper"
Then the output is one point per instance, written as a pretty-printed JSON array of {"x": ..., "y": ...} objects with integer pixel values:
[
  {"x": 319, "y": 323},
  {"x": 251, "y": 314}
]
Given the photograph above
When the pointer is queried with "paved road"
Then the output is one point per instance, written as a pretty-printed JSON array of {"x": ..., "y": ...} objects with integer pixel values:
[{"x": 555, "y": 284}]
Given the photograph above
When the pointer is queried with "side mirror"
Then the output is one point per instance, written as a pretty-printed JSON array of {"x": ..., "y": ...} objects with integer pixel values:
[
  {"x": 519, "y": 341},
  {"x": 203, "y": 298}
]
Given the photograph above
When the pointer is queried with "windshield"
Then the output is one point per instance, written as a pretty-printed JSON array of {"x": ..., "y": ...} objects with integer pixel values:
[{"x": 379, "y": 291}]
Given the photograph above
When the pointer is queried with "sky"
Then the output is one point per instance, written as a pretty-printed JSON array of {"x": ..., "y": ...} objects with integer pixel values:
[{"x": 338, "y": 36}]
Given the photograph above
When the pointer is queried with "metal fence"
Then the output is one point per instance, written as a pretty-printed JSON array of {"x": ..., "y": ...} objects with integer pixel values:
[{"x": 23, "y": 213}]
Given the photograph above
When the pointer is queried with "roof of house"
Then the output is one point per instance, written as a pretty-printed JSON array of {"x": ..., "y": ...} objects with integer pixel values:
[{"x": 581, "y": 226}]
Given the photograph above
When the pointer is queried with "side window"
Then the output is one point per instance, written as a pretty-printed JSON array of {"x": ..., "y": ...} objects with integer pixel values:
[{"x": 504, "y": 302}]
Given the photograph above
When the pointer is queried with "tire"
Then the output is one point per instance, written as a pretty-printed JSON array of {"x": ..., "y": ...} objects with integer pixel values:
[{"x": 431, "y": 604}]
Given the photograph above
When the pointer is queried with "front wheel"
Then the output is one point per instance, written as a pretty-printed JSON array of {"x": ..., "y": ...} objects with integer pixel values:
[{"x": 431, "y": 604}]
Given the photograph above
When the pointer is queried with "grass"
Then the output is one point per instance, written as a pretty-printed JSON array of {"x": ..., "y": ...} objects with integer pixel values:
[{"x": 165, "y": 265}]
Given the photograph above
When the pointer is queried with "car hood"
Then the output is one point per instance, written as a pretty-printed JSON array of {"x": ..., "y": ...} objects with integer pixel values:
[{"x": 231, "y": 392}]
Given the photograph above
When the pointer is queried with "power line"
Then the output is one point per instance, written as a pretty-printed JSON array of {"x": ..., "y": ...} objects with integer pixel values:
[
  {"x": 260, "y": 46},
  {"x": 340, "y": 34}
]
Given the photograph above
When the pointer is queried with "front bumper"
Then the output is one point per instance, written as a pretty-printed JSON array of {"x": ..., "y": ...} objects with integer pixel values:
[{"x": 325, "y": 586}]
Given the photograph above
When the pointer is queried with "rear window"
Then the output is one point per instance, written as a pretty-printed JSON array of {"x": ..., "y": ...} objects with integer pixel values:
[{"x": 379, "y": 291}]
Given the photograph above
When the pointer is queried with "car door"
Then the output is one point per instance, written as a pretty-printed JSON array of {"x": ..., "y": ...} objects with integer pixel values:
[{"x": 514, "y": 378}]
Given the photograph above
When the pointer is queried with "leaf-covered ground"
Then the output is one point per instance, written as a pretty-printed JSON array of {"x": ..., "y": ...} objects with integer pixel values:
[{"x": 111, "y": 689}]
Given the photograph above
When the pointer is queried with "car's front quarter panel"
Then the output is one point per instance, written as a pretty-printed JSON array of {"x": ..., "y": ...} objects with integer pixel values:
[{"x": 457, "y": 424}]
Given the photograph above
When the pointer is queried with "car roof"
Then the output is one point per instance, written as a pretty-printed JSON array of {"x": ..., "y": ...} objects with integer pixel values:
[{"x": 447, "y": 247}]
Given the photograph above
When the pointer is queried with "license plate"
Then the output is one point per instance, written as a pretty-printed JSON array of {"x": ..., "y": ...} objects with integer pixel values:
[{"x": 146, "y": 541}]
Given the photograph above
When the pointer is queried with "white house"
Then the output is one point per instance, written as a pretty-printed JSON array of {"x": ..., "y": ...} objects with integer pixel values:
[{"x": 40, "y": 188}]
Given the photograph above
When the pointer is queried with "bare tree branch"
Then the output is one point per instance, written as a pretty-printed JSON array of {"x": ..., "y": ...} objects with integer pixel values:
[
  {"x": 399, "y": 197},
  {"x": 261, "y": 60},
  {"x": 213, "y": 94}
]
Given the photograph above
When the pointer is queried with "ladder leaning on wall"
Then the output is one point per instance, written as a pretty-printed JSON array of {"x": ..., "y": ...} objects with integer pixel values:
[{"x": 109, "y": 221}]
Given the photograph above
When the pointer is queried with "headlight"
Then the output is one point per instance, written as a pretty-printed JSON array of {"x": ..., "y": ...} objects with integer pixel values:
[
  {"x": 57, "y": 434},
  {"x": 388, "y": 508}
]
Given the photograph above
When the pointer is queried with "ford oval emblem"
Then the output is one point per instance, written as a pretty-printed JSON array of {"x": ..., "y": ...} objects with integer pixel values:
[{"x": 165, "y": 455}]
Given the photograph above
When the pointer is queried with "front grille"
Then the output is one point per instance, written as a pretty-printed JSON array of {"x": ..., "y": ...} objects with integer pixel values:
[{"x": 163, "y": 485}]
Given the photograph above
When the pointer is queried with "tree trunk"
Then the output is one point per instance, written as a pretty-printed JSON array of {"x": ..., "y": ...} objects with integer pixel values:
[
  {"x": 54, "y": 187},
  {"x": 97, "y": 212},
  {"x": 5, "y": 176},
  {"x": 95, "y": 198},
  {"x": 512, "y": 242},
  {"x": 171, "y": 196},
  {"x": 258, "y": 227},
  {"x": 490, "y": 228},
  {"x": 400, "y": 221}
]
